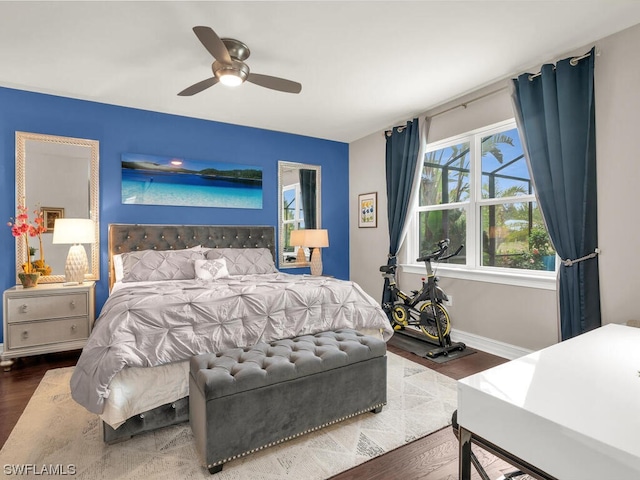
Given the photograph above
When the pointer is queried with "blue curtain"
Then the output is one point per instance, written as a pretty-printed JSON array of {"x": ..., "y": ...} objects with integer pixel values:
[
  {"x": 401, "y": 160},
  {"x": 308, "y": 192},
  {"x": 556, "y": 119}
]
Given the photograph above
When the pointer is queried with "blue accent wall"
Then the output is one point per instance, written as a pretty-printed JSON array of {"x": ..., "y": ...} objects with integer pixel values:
[{"x": 120, "y": 130}]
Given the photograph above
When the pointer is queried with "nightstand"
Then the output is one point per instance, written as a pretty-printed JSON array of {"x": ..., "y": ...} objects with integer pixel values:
[{"x": 45, "y": 319}]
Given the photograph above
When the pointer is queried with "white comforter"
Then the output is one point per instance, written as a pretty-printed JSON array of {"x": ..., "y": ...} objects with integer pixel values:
[{"x": 150, "y": 325}]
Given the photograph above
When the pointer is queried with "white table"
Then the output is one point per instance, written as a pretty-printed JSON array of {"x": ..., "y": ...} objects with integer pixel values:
[{"x": 569, "y": 411}]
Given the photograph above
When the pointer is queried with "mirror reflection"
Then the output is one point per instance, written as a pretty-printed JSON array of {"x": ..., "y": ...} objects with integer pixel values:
[
  {"x": 60, "y": 176},
  {"x": 299, "y": 200}
]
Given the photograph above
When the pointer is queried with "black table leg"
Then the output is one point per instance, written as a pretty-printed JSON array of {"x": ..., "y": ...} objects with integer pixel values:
[{"x": 465, "y": 454}]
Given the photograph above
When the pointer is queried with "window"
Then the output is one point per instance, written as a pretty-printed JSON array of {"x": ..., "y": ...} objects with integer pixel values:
[
  {"x": 475, "y": 189},
  {"x": 292, "y": 215}
]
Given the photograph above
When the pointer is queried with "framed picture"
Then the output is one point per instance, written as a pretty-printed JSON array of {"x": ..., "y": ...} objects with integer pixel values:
[
  {"x": 184, "y": 182},
  {"x": 368, "y": 210},
  {"x": 49, "y": 215}
]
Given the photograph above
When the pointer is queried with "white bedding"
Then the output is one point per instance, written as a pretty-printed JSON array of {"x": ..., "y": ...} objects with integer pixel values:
[{"x": 238, "y": 311}]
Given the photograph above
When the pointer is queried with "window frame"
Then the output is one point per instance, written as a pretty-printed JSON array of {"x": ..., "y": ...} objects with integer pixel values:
[
  {"x": 297, "y": 221},
  {"x": 473, "y": 270}
]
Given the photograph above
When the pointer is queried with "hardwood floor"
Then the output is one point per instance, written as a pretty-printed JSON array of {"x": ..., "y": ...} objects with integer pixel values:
[{"x": 434, "y": 457}]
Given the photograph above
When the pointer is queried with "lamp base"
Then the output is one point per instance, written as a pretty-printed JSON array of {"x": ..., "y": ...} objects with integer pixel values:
[
  {"x": 301, "y": 257},
  {"x": 316, "y": 262},
  {"x": 77, "y": 264}
]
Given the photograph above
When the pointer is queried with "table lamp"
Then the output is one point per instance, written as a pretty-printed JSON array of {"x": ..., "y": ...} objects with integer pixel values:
[
  {"x": 75, "y": 231},
  {"x": 316, "y": 239},
  {"x": 297, "y": 240}
]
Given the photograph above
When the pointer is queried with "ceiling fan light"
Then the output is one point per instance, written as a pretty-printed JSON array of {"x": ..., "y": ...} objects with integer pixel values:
[{"x": 230, "y": 78}]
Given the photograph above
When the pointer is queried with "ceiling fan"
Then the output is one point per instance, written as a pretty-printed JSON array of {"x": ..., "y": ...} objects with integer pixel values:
[{"x": 229, "y": 67}]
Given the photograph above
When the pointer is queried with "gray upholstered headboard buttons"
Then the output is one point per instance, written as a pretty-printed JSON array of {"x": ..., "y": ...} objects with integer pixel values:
[{"x": 128, "y": 238}]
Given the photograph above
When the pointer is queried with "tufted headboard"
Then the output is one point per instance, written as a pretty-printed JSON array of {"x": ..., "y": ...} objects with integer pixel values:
[{"x": 127, "y": 238}]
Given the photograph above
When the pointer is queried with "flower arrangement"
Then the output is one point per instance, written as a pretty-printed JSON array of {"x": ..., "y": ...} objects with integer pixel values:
[{"x": 20, "y": 227}]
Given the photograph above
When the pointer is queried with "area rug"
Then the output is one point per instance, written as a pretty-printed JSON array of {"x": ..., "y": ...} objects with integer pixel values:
[{"x": 55, "y": 434}]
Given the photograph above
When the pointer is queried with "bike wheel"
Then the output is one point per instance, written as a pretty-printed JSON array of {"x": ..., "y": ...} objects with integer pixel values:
[
  {"x": 429, "y": 327},
  {"x": 400, "y": 315}
]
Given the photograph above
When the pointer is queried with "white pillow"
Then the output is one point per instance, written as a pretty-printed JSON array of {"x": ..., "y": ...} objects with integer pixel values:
[
  {"x": 159, "y": 265},
  {"x": 245, "y": 261},
  {"x": 211, "y": 269},
  {"x": 118, "y": 267}
]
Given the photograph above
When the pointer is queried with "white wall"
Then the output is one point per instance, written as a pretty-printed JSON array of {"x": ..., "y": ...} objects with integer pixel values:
[
  {"x": 617, "y": 81},
  {"x": 521, "y": 316},
  {"x": 369, "y": 246}
]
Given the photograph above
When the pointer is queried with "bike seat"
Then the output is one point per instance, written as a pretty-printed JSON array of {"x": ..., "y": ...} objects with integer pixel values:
[{"x": 388, "y": 268}]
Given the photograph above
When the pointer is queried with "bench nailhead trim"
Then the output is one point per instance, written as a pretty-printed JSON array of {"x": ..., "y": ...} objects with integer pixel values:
[{"x": 220, "y": 462}]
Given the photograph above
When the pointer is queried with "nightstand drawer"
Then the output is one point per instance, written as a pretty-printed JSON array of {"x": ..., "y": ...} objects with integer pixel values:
[
  {"x": 43, "y": 333},
  {"x": 43, "y": 307}
]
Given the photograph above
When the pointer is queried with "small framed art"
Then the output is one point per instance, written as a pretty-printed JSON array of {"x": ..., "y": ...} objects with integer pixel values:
[
  {"x": 49, "y": 215},
  {"x": 368, "y": 210}
]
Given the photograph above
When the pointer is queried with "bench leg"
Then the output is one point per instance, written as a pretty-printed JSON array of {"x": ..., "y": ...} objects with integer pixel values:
[{"x": 216, "y": 469}]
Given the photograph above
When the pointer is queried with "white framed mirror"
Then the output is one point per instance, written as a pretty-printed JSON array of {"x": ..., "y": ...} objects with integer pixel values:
[
  {"x": 60, "y": 176},
  {"x": 299, "y": 188}
]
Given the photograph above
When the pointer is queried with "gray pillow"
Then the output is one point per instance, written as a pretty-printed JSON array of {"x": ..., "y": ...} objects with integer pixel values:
[
  {"x": 145, "y": 265},
  {"x": 245, "y": 261}
]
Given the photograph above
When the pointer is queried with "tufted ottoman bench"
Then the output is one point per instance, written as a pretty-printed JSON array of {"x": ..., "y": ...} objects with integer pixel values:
[{"x": 246, "y": 399}]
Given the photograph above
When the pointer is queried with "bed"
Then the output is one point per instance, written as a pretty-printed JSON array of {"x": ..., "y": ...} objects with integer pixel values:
[{"x": 182, "y": 290}]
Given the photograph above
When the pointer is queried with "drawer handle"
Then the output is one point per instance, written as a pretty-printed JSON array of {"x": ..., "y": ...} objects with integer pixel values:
[
  {"x": 24, "y": 308},
  {"x": 74, "y": 327},
  {"x": 25, "y": 334},
  {"x": 72, "y": 304}
]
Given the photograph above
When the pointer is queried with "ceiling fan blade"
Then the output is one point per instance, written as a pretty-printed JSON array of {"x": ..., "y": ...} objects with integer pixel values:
[
  {"x": 198, "y": 87},
  {"x": 213, "y": 44},
  {"x": 275, "y": 83}
]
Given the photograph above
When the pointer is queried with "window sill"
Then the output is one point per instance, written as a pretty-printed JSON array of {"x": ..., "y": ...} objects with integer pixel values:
[{"x": 540, "y": 280}]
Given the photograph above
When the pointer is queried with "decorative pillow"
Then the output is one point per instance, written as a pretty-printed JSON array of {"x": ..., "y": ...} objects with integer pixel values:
[
  {"x": 145, "y": 265},
  {"x": 245, "y": 261},
  {"x": 118, "y": 268},
  {"x": 211, "y": 269}
]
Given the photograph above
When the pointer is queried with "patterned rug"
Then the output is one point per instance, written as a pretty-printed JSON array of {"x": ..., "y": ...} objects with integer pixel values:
[{"x": 54, "y": 434}]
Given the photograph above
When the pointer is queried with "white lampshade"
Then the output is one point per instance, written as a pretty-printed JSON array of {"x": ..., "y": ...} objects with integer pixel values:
[
  {"x": 316, "y": 238},
  {"x": 297, "y": 240},
  {"x": 75, "y": 231}
]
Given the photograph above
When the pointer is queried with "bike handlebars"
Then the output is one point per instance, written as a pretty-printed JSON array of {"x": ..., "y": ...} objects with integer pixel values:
[{"x": 443, "y": 246}]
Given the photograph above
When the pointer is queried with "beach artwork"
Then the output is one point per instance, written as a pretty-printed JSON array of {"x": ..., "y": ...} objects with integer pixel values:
[{"x": 157, "y": 180}]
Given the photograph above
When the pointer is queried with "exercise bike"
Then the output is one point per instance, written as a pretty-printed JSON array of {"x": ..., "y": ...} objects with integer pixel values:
[{"x": 425, "y": 308}]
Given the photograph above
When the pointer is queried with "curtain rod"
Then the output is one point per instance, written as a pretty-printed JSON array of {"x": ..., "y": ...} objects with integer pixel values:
[
  {"x": 402, "y": 127},
  {"x": 465, "y": 104},
  {"x": 399, "y": 127},
  {"x": 573, "y": 62}
]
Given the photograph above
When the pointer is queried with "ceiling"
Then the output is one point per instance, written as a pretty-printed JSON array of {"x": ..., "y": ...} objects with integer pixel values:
[{"x": 364, "y": 66}]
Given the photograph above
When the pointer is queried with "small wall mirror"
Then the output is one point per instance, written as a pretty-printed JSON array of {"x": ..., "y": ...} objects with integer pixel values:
[
  {"x": 300, "y": 201},
  {"x": 60, "y": 176}
]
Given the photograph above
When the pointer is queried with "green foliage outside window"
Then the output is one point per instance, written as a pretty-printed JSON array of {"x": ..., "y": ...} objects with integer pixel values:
[{"x": 512, "y": 232}]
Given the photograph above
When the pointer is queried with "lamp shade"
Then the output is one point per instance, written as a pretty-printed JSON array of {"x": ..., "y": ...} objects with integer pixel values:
[
  {"x": 297, "y": 238},
  {"x": 316, "y": 238},
  {"x": 74, "y": 230}
]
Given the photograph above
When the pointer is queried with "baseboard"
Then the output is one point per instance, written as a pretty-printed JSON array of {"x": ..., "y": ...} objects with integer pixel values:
[{"x": 494, "y": 347}]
